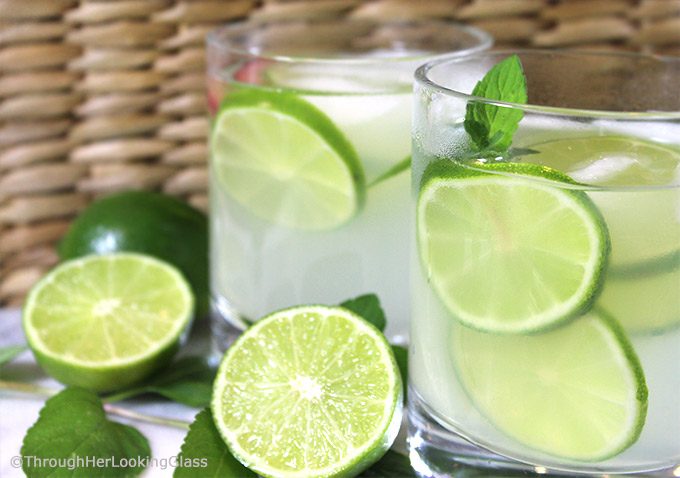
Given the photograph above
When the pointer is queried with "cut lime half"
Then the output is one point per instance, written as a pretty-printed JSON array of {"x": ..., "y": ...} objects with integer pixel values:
[
  {"x": 283, "y": 160},
  {"x": 577, "y": 392},
  {"x": 106, "y": 322},
  {"x": 515, "y": 251},
  {"x": 308, "y": 392}
]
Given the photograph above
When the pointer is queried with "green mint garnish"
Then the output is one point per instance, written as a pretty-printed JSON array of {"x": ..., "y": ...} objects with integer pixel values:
[
  {"x": 368, "y": 307},
  {"x": 188, "y": 380},
  {"x": 73, "y": 429},
  {"x": 491, "y": 127},
  {"x": 204, "y": 453}
]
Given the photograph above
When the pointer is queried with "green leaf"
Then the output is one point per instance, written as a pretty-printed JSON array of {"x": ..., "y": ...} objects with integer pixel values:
[
  {"x": 395, "y": 170},
  {"x": 368, "y": 307},
  {"x": 491, "y": 127},
  {"x": 188, "y": 381},
  {"x": 204, "y": 453},
  {"x": 8, "y": 353},
  {"x": 72, "y": 428},
  {"x": 392, "y": 465},
  {"x": 401, "y": 356}
]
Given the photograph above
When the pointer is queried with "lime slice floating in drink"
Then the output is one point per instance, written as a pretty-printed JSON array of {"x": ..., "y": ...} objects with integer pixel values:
[
  {"x": 106, "y": 322},
  {"x": 576, "y": 392},
  {"x": 642, "y": 302},
  {"x": 283, "y": 160},
  {"x": 610, "y": 160},
  {"x": 307, "y": 392},
  {"x": 643, "y": 221},
  {"x": 509, "y": 252}
]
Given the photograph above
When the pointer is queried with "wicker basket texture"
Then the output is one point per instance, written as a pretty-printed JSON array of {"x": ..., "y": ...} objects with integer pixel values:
[{"x": 99, "y": 96}]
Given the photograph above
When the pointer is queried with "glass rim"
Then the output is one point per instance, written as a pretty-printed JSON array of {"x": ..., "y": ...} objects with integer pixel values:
[
  {"x": 422, "y": 77},
  {"x": 215, "y": 40}
]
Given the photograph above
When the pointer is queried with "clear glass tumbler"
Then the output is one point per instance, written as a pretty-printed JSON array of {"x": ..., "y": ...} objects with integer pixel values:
[
  {"x": 545, "y": 332},
  {"x": 309, "y": 158}
]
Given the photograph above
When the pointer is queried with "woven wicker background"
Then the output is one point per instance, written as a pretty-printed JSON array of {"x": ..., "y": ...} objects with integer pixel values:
[{"x": 103, "y": 95}]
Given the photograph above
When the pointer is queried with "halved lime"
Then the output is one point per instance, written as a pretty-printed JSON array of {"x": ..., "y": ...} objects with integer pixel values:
[
  {"x": 307, "y": 392},
  {"x": 610, "y": 160},
  {"x": 283, "y": 160},
  {"x": 514, "y": 251},
  {"x": 576, "y": 392},
  {"x": 106, "y": 322}
]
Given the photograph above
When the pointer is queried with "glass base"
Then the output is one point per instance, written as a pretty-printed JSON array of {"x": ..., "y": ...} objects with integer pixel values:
[
  {"x": 226, "y": 324},
  {"x": 437, "y": 452}
]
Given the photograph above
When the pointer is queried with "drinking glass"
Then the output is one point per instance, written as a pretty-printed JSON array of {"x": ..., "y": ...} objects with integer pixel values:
[
  {"x": 545, "y": 329},
  {"x": 309, "y": 163}
]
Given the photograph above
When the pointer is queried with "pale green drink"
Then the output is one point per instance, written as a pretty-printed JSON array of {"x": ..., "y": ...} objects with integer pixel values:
[
  {"x": 309, "y": 178},
  {"x": 546, "y": 301}
]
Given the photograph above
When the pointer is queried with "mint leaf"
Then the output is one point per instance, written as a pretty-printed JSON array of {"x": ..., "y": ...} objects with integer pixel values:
[
  {"x": 73, "y": 430},
  {"x": 401, "y": 356},
  {"x": 204, "y": 453},
  {"x": 491, "y": 127},
  {"x": 188, "y": 381},
  {"x": 8, "y": 353},
  {"x": 368, "y": 307},
  {"x": 392, "y": 465}
]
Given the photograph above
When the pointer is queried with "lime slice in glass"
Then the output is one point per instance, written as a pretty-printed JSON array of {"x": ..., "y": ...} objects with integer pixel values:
[
  {"x": 576, "y": 392},
  {"x": 610, "y": 160},
  {"x": 283, "y": 160},
  {"x": 107, "y": 322},
  {"x": 309, "y": 391},
  {"x": 642, "y": 221},
  {"x": 509, "y": 252},
  {"x": 643, "y": 302}
]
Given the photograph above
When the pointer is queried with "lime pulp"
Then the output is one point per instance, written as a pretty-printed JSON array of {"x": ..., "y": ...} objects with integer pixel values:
[
  {"x": 283, "y": 160},
  {"x": 515, "y": 251},
  {"x": 107, "y": 322},
  {"x": 576, "y": 392},
  {"x": 308, "y": 391}
]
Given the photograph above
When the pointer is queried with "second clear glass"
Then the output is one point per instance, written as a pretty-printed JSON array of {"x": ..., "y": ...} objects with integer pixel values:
[{"x": 310, "y": 147}]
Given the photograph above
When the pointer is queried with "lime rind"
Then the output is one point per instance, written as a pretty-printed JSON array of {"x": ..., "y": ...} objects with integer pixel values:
[
  {"x": 625, "y": 357},
  {"x": 110, "y": 373},
  {"x": 361, "y": 457},
  {"x": 291, "y": 115},
  {"x": 448, "y": 173}
]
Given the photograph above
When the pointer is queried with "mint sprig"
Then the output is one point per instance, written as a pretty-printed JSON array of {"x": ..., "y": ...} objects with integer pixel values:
[
  {"x": 491, "y": 127},
  {"x": 368, "y": 307},
  {"x": 188, "y": 380},
  {"x": 204, "y": 453},
  {"x": 73, "y": 430}
]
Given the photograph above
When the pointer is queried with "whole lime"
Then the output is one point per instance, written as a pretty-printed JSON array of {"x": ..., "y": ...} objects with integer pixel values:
[{"x": 148, "y": 223}]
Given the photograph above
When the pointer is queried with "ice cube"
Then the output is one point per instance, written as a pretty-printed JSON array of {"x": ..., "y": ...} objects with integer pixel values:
[{"x": 603, "y": 170}]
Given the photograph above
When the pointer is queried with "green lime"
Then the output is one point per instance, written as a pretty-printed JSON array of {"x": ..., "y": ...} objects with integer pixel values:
[
  {"x": 514, "y": 251},
  {"x": 309, "y": 391},
  {"x": 575, "y": 392},
  {"x": 148, "y": 223},
  {"x": 645, "y": 303},
  {"x": 610, "y": 160},
  {"x": 106, "y": 322},
  {"x": 283, "y": 160},
  {"x": 642, "y": 220}
]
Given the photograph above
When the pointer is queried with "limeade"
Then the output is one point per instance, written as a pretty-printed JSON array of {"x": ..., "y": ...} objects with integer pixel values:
[
  {"x": 306, "y": 207},
  {"x": 564, "y": 356}
]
